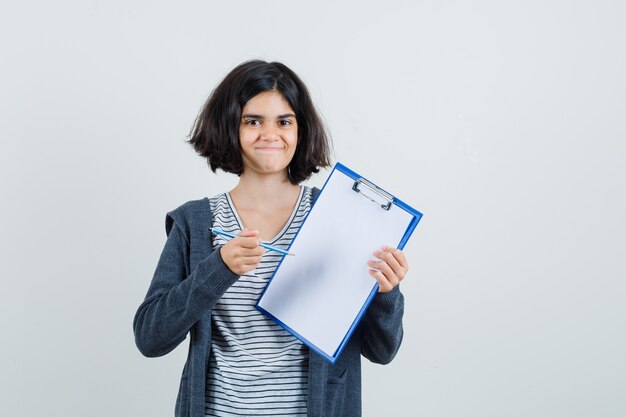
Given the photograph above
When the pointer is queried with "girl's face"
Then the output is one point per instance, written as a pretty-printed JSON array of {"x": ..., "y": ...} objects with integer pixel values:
[{"x": 268, "y": 133}]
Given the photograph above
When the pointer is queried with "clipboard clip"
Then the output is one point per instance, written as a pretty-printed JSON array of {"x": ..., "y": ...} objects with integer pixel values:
[{"x": 373, "y": 193}]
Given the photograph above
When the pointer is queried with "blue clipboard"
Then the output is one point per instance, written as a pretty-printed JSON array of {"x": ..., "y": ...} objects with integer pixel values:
[{"x": 316, "y": 295}]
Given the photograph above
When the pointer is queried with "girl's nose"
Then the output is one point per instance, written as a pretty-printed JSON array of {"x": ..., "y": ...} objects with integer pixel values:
[{"x": 269, "y": 132}]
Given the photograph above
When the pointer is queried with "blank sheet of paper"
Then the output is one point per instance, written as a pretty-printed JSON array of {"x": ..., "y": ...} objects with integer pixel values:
[{"x": 318, "y": 293}]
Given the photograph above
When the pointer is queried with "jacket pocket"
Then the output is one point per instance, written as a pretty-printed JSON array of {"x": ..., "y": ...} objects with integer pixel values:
[{"x": 335, "y": 394}]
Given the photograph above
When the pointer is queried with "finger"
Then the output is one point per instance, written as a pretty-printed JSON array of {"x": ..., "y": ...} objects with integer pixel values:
[
  {"x": 399, "y": 255},
  {"x": 241, "y": 252},
  {"x": 388, "y": 257},
  {"x": 248, "y": 232},
  {"x": 245, "y": 269},
  {"x": 396, "y": 260},
  {"x": 233, "y": 249},
  {"x": 251, "y": 260},
  {"x": 386, "y": 270},
  {"x": 383, "y": 267},
  {"x": 247, "y": 242},
  {"x": 383, "y": 284},
  {"x": 242, "y": 265},
  {"x": 255, "y": 251}
]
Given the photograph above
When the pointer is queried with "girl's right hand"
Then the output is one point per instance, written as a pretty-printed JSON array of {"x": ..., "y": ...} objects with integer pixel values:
[{"x": 243, "y": 253}]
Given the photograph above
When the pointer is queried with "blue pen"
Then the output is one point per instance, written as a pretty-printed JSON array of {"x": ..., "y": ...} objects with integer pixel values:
[{"x": 265, "y": 245}]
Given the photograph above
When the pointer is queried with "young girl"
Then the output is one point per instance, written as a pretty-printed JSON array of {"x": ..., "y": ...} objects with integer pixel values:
[{"x": 260, "y": 124}]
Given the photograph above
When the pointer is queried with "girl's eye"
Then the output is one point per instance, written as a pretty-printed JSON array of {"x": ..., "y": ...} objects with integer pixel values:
[
  {"x": 284, "y": 122},
  {"x": 253, "y": 122}
]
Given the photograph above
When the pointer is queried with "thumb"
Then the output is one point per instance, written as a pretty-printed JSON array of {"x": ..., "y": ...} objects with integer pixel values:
[{"x": 248, "y": 232}]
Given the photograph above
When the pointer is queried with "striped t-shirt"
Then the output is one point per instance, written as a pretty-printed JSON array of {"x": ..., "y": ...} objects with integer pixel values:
[{"x": 255, "y": 366}]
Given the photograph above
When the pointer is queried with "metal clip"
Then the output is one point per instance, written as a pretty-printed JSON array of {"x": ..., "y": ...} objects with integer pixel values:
[{"x": 368, "y": 188}]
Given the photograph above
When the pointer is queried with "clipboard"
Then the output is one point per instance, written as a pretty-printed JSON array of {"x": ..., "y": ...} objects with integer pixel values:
[{"x": 321, "y": 294}]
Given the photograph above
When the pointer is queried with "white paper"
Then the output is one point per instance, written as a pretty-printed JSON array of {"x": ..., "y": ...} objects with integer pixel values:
[{"x": 319, "y": 292}]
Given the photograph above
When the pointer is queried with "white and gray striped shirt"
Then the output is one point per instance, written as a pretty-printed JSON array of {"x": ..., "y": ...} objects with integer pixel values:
[{"x": 255, "y": 367}]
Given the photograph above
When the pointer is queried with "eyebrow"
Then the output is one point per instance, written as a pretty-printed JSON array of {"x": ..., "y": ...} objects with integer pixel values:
[{"x": 258, "y": 116}]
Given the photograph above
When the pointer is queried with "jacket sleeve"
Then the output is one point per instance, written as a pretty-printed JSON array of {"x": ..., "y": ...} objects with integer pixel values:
[
  {"x": 382, "y": 327},
  {"x": 178, "y": 298}
]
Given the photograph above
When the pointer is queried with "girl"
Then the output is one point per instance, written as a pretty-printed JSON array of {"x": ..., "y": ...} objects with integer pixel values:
[{"x": 260, "y": 124}]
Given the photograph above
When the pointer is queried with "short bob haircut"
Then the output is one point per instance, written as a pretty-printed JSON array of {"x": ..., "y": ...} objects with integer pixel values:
[{"x": 215, "y": 133}]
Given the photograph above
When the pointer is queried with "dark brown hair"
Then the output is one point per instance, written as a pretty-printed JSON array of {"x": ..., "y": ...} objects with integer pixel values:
[{"x": 215, "y": 133}]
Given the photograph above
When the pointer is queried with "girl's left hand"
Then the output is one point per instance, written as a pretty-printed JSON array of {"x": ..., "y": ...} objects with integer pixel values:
[{"x": 390, "y": 269}]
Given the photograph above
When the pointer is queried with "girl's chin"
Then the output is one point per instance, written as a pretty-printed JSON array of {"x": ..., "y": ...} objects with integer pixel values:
[{"x": 269, "y": 170}]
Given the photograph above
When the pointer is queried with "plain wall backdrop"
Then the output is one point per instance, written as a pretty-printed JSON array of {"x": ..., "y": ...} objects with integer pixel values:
[{"x": 503, "y": 122}]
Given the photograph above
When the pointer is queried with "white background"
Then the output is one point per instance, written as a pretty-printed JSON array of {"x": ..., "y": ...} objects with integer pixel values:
[{"x": 503, "y": 122}]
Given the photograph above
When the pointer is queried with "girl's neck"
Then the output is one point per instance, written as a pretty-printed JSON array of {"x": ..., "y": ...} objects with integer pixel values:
[{"x": 264, "y": 190}]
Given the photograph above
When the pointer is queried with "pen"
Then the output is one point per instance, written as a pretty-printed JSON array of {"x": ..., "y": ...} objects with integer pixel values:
[{"x": 217, "y": 231}]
